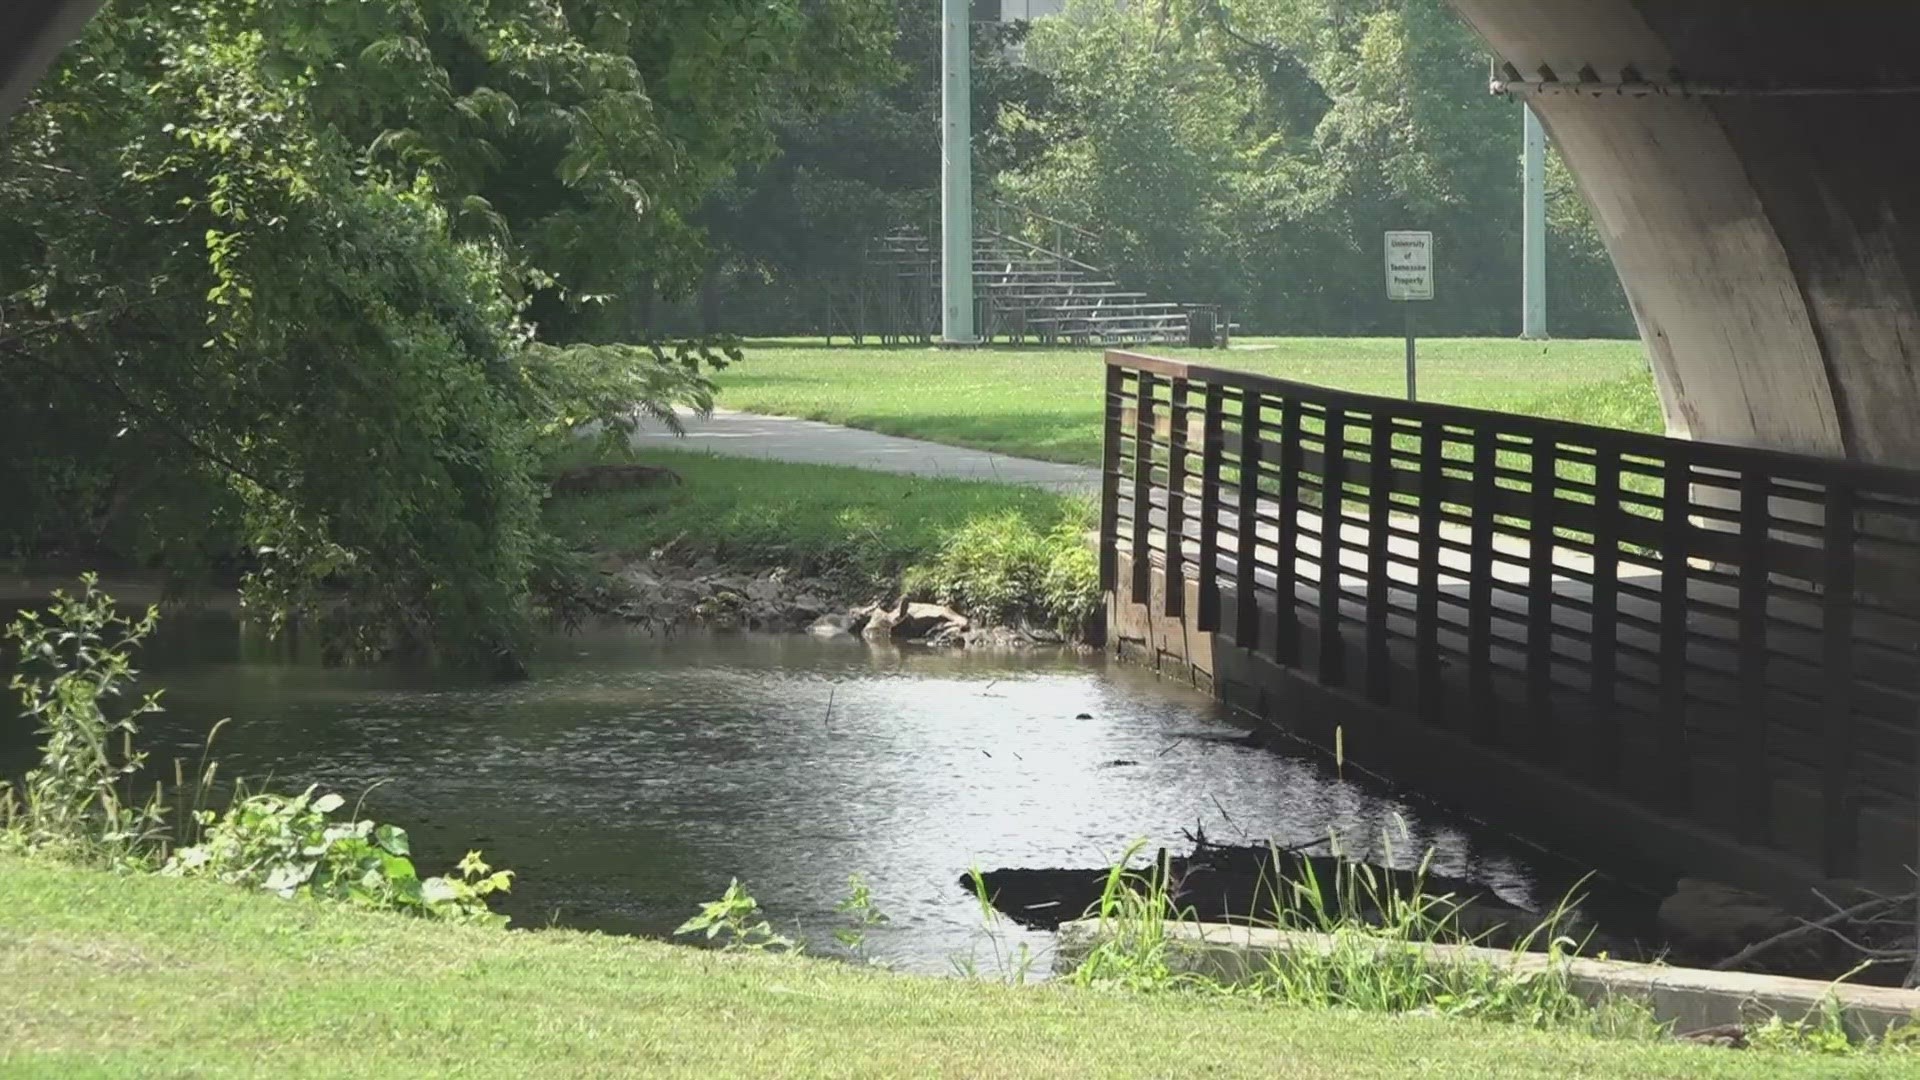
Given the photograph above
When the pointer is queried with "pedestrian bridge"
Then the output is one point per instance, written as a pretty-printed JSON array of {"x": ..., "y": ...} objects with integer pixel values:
[{"x": 1684, "y": 652}]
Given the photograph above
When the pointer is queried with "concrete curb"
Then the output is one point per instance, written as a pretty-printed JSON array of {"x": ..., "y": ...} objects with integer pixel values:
[{"x": 1691, "y": 1000}]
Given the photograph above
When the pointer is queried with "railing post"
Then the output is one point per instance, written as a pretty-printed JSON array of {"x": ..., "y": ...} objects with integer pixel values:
[
  {"x": 1840, "y": 839},
  {"x": 1143, "y": 487},
  {"x": 1603, "y": 643},
  {"x": 1286, "y": 567},
  {"x": 1755, "y": 783},
  {"x": 1433, "y": 444},
  {"x": 1211, "y": 450},
  {"x": 1379, "y": 580},
  {"x": 1246, "y": 631},
  {"x": 1175, "y": 605},
  {"x": 1110, "y": 480},
  {"x": 1676, "y": 543},
  {"x": 1483, "y": 723},
  {"x": 1540, "y": 600},
  {"x": 1333, "y": 484}
]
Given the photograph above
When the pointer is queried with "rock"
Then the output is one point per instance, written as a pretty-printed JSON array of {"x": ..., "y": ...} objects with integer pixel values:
[
  {"x": 1710, "y": 920},
  {"x": 1044, "y": 636},
  {"x": 998, "y": 637},
  {"x": 879, "y": 627},
  {"x": 807, "y": 607},
  {"x": 1726, "y": 1036},
  {"x": 638, "y": 579},
  {"x": 947, "y": 637},
  {"x": 927, "y": 621},
  {"x": 832, "y": 627}
]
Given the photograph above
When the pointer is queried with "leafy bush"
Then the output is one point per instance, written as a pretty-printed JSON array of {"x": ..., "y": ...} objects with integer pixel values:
[
  {"x": 75, "y": 662},
  {"x": 1006, "y": 570},
  {"x": 294, "y": 847}
]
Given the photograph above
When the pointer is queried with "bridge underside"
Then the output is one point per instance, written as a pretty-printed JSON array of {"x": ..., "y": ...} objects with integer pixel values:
[
  {"x": 32, "y": 33},
  {"x": 1750, "y": 166}
]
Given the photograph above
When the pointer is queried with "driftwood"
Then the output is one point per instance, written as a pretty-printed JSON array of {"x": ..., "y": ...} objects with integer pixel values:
[{"x": 1827, "y": 925}]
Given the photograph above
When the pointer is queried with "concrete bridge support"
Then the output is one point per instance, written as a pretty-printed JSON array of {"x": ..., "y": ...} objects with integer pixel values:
[
  {"x": 1749, "y": 166},
  {"x": 32, "y": 33}
]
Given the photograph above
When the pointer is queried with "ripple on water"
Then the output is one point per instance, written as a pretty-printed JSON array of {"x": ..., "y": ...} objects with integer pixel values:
[{"x": 634, "y": 775}]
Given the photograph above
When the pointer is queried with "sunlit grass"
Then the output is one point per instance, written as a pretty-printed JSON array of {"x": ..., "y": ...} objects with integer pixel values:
[
  {"x": 116, "y": 976},
  {"x": 811, "y": 518},
  {"x": 1047, "y": 403}
]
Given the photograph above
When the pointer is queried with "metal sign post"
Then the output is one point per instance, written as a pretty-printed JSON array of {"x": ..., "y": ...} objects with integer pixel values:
[
  {"x": 1410, "y": 278},
  {"x": 956, "y": 176}
]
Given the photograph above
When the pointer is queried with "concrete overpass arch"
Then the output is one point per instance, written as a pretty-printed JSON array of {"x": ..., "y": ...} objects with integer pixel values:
[{"x": 1750, "y": 168}]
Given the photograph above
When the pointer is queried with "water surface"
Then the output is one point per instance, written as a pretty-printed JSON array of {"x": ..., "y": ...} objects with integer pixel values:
[{"x": 632, "y": 776}]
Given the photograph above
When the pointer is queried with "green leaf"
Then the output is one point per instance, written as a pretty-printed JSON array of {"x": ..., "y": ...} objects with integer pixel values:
[
  {"x": 328, "y": 803},
  {"x": 393, "y": 838}
]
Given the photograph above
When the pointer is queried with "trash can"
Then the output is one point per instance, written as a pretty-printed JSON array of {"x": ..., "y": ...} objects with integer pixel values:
[{"x": 1202, "y": 328}]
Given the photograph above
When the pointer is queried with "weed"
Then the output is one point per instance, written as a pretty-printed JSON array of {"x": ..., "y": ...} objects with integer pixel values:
[
  {"x": 863, "y": 915},
  {"x": 1825, "y": 1031},
  {"x": 736, "y": 923},
  {"x": 76, "y": 664},
  {"x": 78, "y": 804},
  {"x": 1012, "y": 966},
  {"x": 294, "y": 847},
  {"x": 1365, "y": 944}
]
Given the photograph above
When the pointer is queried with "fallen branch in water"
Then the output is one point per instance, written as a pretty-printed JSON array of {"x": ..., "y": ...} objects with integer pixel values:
[{"x": 1806, "y": 928}]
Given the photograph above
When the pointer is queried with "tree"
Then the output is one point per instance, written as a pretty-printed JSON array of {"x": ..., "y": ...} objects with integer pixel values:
[
  {"x": 841, "y": 176},
  {"x": 1252, "y": 152},
  {"x": 285, "y": 283}
]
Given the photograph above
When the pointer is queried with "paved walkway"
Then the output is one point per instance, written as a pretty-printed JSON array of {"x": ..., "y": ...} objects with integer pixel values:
[{"x": 779, "y": 438}]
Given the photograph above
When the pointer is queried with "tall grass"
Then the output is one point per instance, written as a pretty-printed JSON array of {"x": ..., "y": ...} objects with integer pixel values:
[{"x": 1364, "y": 944}]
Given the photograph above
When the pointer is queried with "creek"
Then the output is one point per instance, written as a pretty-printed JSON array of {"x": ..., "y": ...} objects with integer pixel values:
[{"x": 634, "y": 774}]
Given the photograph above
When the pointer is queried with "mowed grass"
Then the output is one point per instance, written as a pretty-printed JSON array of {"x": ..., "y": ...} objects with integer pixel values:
[
  {"x": 815, "y": 518},
  {"x": 117, "y": 976},
  {"x": 1046, "y": 403}
]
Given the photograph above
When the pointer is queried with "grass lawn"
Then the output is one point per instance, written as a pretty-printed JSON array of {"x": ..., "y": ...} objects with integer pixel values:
[
  {"x": 1045, "y": 403},
  {"x": 144, "y": 976},
  {"x": 811, "y": 517}
]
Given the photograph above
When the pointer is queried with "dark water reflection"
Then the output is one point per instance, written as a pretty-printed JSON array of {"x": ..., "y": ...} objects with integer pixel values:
[{"x": 632, "y": 776}]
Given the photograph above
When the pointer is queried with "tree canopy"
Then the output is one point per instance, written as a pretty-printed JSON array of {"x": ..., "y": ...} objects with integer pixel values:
[
  {"x": 305, "y": 288},
  {"x": 1244, "y": 152},
  {"x": 1253, "y": 151}
]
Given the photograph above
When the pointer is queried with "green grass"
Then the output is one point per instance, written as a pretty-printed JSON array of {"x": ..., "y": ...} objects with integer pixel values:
[
  {"x": 815, "y": 518},
  {"x": 1046, "y": 403},
  {"x": 119, "y": 976}
]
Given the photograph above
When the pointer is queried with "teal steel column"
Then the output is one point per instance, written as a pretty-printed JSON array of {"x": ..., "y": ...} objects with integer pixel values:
[
  {"x": 956, "y": 174},
  {"x": 1533, "y": 289}
]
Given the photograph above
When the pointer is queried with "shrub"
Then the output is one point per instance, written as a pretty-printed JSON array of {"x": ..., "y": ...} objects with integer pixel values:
[
  {"x": 1006, "y": 570},
  {"x": 294, "y": 847},
  {"x": 76, "y": 663}
]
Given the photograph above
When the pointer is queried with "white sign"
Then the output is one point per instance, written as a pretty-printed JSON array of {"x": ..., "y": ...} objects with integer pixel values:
[{"x": 1409, "y": 266}]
